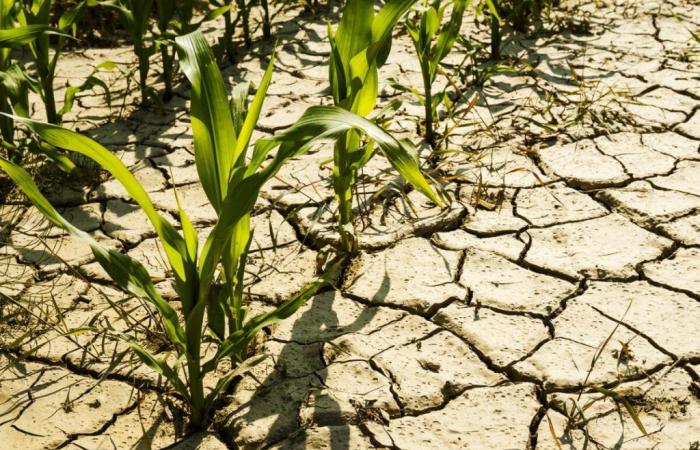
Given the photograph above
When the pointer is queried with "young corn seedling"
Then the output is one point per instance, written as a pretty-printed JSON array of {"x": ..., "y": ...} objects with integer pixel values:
[
  {"x": 433, "y": 40},
  {"x": 46, "y": 42},
  {"x": 225, "y": 46},
  {"x": 209, "y": 279},
  {"x": 359, "y": 46},
  {"x": 165, "y": 19},
  {"x": 15, "y": 82},
  {"x": 518, "y": 14},
  {"x": 243, "y": 10},
  {"x": 174, "y": 18},
  {"x": 135, "y": 15}
]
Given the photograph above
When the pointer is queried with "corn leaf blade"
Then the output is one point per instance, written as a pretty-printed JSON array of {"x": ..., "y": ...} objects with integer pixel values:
[
  {"x": 212, "y": 124},
  {"x": 125, "y": 271},
  {"x": 62, "y": 138}
]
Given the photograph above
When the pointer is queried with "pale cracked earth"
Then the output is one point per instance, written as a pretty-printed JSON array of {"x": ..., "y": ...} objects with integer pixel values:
[{"x": 569, "y": 258}]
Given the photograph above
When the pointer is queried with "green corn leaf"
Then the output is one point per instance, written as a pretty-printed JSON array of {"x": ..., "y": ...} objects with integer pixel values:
[
  {"x": 159, "y": 366},
  {"x": 194, "y": 324},
  {"x": 187, "y": 288},
  {"x": 125, "y": 13},
  {"x": 71, "y": 16},
  {"x": 336, "y": 71},
  {"x": 323, "y": 122},
  {"x": 125, "y": 271},
  {"x": 212, "y": 124},
  {"x": 15, "y": 37},
  {"x": 62, "y": 138},
  {"x": 364, "y": 83},
  {"x": 237, "y": 302},
  {"x": 188, "y": 231},
  {"x": 224, "y": 382},
  {"x": 90, "y": 83},
  {"x": 59, "y": 158},
  {"x": 238, "y": 104},
  {"x": 17, "y": 85},
  {"x": 384, "y": 24},
  {"x": 354, "y": 32},
  {"x": 216, "y": 13},
  {"x": 414, "y": 32},
  {"x": 253, "y": 112},
  {"x": 6, "y": 7},
  {"x": 217, "y": 312},
  {"x": 491, "y": 4},
  {"x": 430, "y": 24},
  {"x": 449, "y": 35},
  {"x": 240, "y": 201},
  {"x": 236, "y": 341}
]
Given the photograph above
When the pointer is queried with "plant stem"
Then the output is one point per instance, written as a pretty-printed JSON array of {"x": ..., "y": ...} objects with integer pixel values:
[
  {"x": 342, "y": 186},
  {"x": 168, "y": 62},
  {"x": 46, "y": 69},
  {"x": 49, "y": 100},
  {"x": 142, "y": 55},
  {"x": 6, "y": 124},
  {"x": 266, "y": 19},
  {"x": 428, "y": 101},
  {"x": 199, "y": 416},
  {"x": 243, "y": 11},
  {"x": 194, "y": 370},
  {"x": 495, "y": 39},
  {"x": 227, "y": 39}
]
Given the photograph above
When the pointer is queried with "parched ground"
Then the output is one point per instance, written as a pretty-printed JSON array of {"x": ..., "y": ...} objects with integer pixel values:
[{"x": 569, "y": 259}]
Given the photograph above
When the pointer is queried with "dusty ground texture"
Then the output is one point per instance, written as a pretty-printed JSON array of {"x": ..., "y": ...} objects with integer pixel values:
[{"x": 570, "y": 258}]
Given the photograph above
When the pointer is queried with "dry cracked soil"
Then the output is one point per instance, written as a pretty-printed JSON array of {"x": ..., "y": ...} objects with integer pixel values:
[{"x": 554, "y": 305}]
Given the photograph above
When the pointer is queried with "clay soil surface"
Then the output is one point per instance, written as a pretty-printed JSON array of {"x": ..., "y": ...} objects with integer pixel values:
[{"x": 569, "y": 258}]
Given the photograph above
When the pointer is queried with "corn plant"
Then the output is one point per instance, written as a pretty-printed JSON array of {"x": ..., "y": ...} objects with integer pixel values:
[
  {"x": 135, "y": 15},
  {"x": 165, "y": 14},
  {"x": 433, "y": 41},
  {"x": 15, "y": 81},
  {"x": 243, "y": 10},
  {"x": 175, "y": 18},
  {"x": 32, "y": 19},
  {"x": 359, "y": 46},
  {"x": 517, "y": 14},
  {"x": 38, "y": 13},
  {"x": 225, "y": 46},
  {"x": 266, "y": 19},
  {"x": 209, "y": 279}
]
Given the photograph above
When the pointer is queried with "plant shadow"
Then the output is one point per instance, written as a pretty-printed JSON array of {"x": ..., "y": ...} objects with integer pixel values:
[{"x": 305, "y": 395}]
